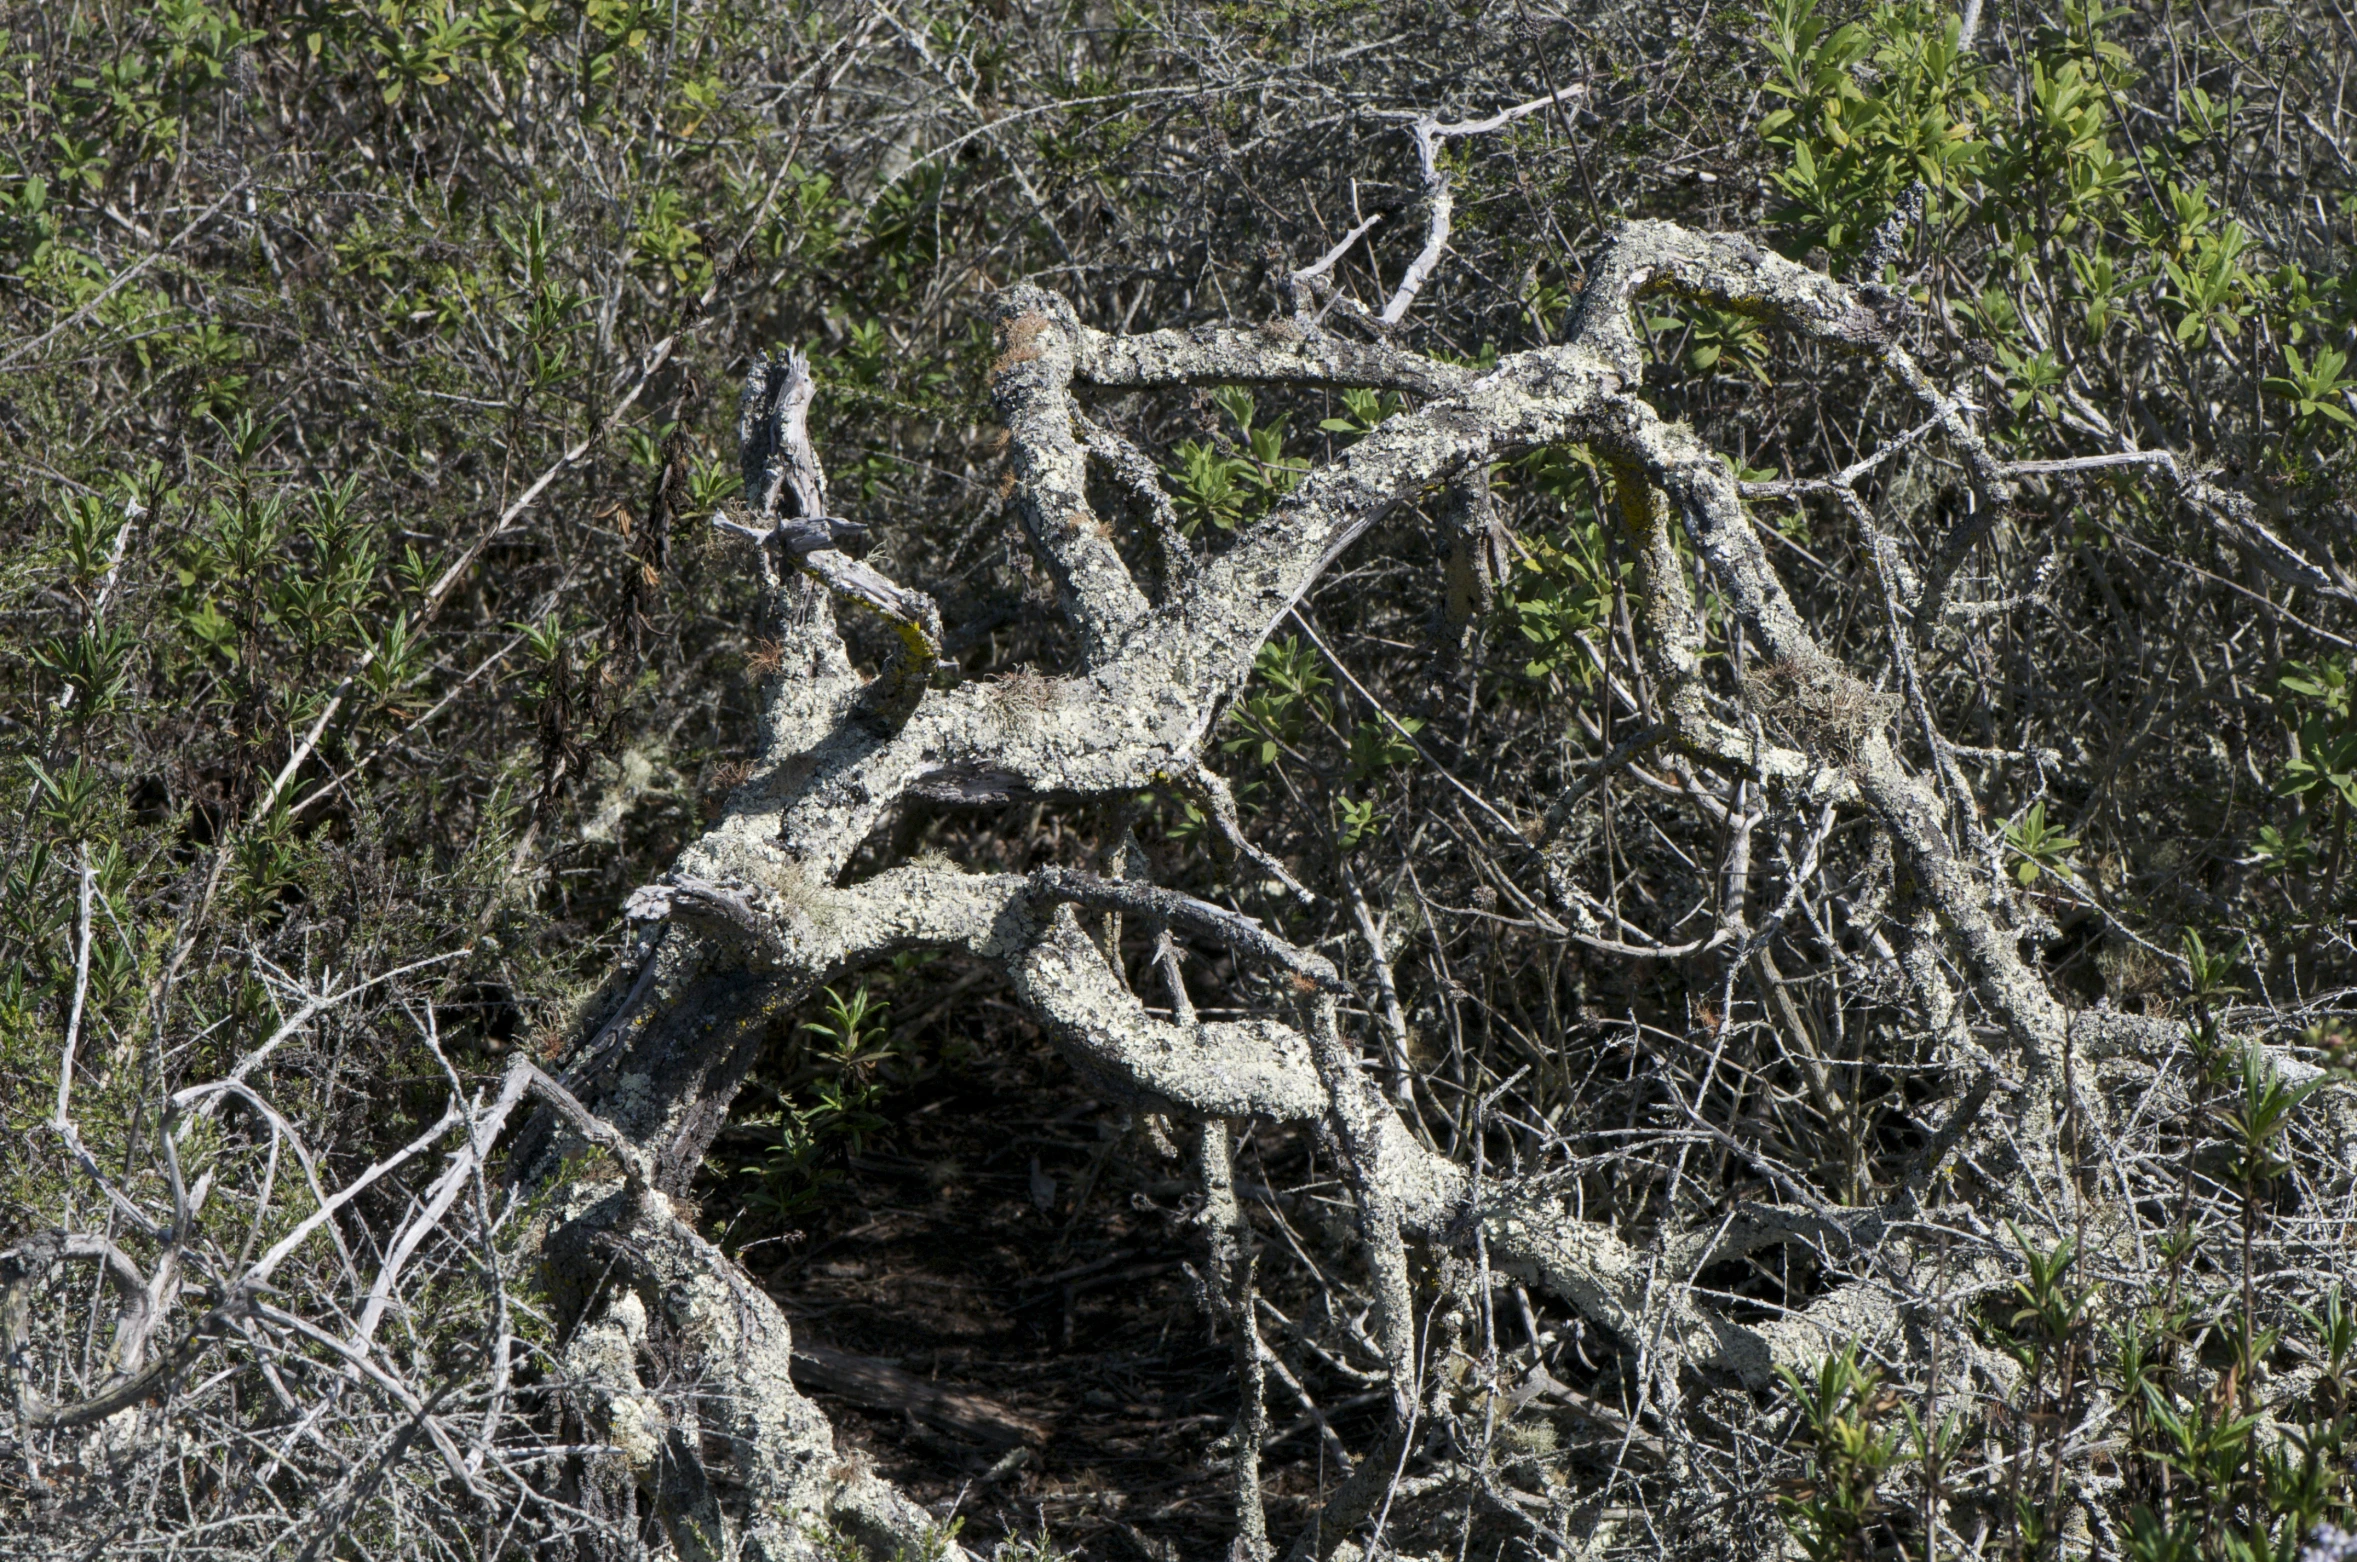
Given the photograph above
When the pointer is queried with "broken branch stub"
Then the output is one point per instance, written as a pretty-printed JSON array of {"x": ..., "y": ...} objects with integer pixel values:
[
  {"x": 783, "y": 478},
  {"x": 788, "y": 488}
]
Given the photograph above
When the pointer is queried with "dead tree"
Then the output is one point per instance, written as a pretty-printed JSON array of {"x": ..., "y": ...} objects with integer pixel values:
[
  {"x": 709, "y": 1432},
  {"x": 758, "y": 913}
]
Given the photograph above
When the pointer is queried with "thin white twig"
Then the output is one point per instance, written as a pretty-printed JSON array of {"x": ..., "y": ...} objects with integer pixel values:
[
  {"x": 2159, "y": 458},
  {"x": 321, "y": 1003},
  {"x": 203, "y": 1094},
  {"x": 401, "y": 1393},
  {"x": 1440, "y": 190},
  {"x": 124, "y": 280},
  {"x": 1302, "y": 280},
  {"x": 1848, "y": 475},
  {"x": 481, "y": 1131},
  {"x": 352, "y": 1190},
  {"x": 73, "y": 1024}
]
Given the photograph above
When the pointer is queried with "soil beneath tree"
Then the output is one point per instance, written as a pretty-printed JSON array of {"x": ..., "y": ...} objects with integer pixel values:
[{"x": 998, "y": 1289}]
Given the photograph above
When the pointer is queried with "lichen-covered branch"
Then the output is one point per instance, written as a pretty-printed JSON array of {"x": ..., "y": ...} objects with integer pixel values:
[
  {"x": 1274, "y": 355},
  {"x": 1039, "y": 345},
  {"x": 757, "y": 914}
]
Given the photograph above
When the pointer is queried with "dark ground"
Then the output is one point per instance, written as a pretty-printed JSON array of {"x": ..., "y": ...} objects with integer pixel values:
[{"x": 1027, "y": 1252}]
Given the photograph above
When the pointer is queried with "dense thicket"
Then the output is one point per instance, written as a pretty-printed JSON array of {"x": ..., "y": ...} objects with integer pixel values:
[{"x": 371, "y": 379}]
